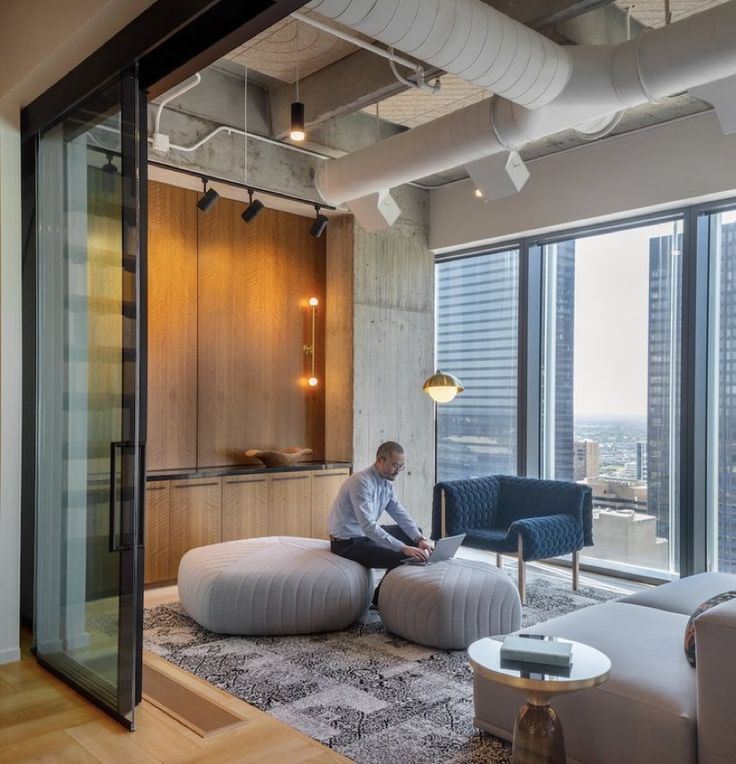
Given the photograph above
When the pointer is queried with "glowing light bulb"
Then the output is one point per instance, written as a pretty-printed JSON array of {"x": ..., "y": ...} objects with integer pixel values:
[
  {"x": 312, "y": 381},
  {"x": 478, "y": 193},
  {"x": 314, "y": 302}
]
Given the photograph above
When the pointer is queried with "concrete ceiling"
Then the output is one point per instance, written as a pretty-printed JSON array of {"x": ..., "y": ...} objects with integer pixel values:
[{"x": 337, "y": 78}]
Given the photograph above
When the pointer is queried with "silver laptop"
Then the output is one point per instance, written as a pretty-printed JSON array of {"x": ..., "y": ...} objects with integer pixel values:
[{"x": 444, "y": 549}]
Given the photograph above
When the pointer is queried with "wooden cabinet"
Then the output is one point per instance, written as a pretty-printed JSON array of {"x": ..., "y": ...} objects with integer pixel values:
[
  {"x": 183, "y": 514},
  {"x": 156, "y": 532},
  {"x": 245, "y": 501},
  {"x": 325, "y": 485},
  {"x": 291, "y": 500},
  {"x": 195, "y": 517}
]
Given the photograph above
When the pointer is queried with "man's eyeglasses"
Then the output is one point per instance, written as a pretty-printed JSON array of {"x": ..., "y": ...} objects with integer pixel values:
[{"x": 399, "y": 467}]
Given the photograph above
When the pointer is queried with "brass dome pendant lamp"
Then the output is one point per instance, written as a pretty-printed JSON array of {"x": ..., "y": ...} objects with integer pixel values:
[{"x": 442, "y": 387}]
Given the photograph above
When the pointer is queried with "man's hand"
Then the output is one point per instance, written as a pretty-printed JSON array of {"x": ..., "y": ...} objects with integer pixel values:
[
  {"x": 415, "y": 552},
  {"x": 425, "y": 544}
]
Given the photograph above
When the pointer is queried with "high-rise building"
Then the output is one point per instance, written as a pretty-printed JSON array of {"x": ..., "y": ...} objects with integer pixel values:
[
  {"x": 641, "y": 460},
  {"x": 560, "y": 333},
  {"x": 477, "y": 340},
  {"x": 586, "y": 459},
  {"x": 727, "y": 403},
  {"x": 663, "y": 398}
]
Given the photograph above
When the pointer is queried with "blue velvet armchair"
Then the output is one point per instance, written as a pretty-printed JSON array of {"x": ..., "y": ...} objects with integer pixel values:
[{"x": 532, "y": 519}]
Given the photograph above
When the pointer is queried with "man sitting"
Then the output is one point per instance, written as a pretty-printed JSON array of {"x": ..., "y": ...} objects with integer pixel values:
[{"x": 353, "y": 519}]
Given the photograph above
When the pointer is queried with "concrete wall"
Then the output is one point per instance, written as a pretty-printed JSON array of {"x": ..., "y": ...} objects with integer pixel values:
[{"x": 655, "y": 168}]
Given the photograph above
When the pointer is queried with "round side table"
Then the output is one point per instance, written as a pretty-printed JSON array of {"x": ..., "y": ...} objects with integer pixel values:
[{"x": 538, "y": 737}]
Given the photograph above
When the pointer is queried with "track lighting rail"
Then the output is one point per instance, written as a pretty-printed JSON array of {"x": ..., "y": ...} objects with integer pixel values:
[{"x": 246, "y": 186}]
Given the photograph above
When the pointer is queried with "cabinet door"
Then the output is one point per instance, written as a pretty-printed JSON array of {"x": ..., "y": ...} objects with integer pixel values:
[
  {"x": 156, "y": 538},
  {"x": 290, "y": 505},
  {"x": 196, "y": 517},
  {"x": 325, "y": 486},
  {"x": 244, "y": 507}
]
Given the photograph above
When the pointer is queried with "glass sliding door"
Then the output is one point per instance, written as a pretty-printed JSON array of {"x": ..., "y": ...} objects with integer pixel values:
[
  {"x": 722, "y": 393},
  {"x": 88, "y": 440},
  {"x": 610, "y": 398},
  {"x": 477, "y": 335}
]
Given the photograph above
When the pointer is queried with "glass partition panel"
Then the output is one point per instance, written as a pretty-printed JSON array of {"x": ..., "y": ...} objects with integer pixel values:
[{"x": 88, "y": 440}]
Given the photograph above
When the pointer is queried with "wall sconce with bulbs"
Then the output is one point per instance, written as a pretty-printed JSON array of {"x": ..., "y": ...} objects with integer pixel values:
[
  {"x": 442, "y": 387},
  {"x": 309, "y": 349}
]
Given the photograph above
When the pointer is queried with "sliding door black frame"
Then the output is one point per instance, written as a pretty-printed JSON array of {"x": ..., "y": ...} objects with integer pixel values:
[{"x": 168, "y": 42}]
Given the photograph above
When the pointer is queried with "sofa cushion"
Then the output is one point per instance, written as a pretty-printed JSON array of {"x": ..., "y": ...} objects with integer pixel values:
[
  {"x": 685, "y": 595},
  {"x": 690, "y": 628},
  {"x": 645, "y": 712}
]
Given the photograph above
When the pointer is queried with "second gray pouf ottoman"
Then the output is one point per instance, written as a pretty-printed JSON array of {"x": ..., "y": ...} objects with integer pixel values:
[{"x": 449, "y": 604}]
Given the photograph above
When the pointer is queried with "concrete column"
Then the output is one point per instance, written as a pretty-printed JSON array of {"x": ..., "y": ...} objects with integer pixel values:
[{"x": 393, "y": 350}]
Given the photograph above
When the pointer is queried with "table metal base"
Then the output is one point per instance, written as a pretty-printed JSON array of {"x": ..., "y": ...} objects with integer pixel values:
[{"x": 538, "y": 736}]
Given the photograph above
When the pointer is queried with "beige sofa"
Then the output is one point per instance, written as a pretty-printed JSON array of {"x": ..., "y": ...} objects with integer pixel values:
[{"x": 654, "y": 707}]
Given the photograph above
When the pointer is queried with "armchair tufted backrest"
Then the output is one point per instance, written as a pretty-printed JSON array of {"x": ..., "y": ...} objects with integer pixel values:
[
  {"x": 523, "y": 497},
  {"x": 469, "y": 504}
]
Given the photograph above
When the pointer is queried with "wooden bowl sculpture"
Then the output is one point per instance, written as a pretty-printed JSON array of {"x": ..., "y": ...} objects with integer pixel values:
[{"x": 280, "y": 458}]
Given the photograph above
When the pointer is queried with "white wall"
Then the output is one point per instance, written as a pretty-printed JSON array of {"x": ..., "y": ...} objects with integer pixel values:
[
  {"x": 10, "y": 381},
  {"x": 41, "y": 40},
  {"x": 659, "y": 167}
]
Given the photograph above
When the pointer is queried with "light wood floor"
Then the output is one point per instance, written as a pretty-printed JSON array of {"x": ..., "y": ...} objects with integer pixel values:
[{"x": 43, "y": 720}]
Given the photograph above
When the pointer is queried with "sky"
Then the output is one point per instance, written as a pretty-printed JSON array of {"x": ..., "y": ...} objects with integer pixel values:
[{"x": 611, "y": 321}]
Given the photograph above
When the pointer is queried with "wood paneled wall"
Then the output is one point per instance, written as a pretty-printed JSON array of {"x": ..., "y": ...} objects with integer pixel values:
[
  {"x": 172, "y": 328},
  {"x": 255, "y": 280},
  {"x": 339, "y": 340},
  {"x": 228, "y": 321}
]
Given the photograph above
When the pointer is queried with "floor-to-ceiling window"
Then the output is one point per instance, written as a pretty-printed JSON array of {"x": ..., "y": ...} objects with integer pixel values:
[
  {"x": 722, "y": 392},
  {"x": 610, "y": 385},
  {"x": 477, "y": 341}
]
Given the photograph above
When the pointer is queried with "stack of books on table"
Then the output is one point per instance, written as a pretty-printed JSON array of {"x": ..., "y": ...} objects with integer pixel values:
[{"x": 527, "y": 649}]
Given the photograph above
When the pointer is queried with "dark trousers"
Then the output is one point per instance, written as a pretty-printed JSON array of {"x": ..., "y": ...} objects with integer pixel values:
[{"x": 365, "y": 551}]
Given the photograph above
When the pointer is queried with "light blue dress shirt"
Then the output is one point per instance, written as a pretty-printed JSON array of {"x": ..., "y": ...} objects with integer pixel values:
[{"x": 361, "y": 500}]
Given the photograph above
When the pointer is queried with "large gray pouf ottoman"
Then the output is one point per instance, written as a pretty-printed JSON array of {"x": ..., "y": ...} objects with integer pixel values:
[
  {"x": 449, "y": 604},
  {"x": 273, "y": 585}
]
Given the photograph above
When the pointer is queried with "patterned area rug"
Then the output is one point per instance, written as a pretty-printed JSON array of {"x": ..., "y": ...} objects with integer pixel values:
[{"x": 374, "y": 697}]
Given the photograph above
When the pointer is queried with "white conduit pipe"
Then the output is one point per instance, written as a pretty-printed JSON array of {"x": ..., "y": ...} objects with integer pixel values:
[
  {"x": 602, "y": 81},
  {"x": 463, "y": 37},
  {"x": 171, "y": 96}
]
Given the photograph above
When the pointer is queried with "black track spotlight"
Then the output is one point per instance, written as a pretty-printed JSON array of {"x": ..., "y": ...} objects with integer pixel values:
[
  {"x": 254, "y": 207},
  {"x": 209, "y": 198},
  {"x": 108, "y": 178},
  {"x": 319, "y": 225}
]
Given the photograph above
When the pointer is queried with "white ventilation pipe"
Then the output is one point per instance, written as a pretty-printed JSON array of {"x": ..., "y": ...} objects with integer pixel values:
[
  {"x": 450, "y": 141},
  {"x": 463, "y": 37},
  {"x": 609, "y": 78},
  {"x": 602, "y": 80}
]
